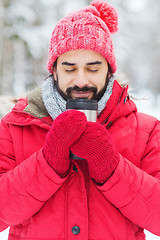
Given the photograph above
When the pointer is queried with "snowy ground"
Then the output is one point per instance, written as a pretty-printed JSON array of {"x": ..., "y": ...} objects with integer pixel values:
[{"x": 149, "y": 106}]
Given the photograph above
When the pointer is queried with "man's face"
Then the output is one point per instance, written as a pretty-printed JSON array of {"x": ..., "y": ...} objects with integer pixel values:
[{"x": 81, "y": 74}]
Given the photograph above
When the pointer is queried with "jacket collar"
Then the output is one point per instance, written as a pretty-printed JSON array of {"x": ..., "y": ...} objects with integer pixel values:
[{"x": 118, "y": 105}]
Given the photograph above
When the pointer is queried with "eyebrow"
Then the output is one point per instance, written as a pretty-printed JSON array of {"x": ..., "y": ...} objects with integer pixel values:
[
  {"x": 73, "y": 64},
  {"x": 68, "y": 64},
  {"x": 94, "y": 63}
]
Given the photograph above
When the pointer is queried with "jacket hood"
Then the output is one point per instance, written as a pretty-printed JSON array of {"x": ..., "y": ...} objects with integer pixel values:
[{"x": 29, "y": 110}]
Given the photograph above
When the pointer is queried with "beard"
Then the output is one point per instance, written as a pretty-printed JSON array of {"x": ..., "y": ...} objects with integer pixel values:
[{"x": 96, "y": 95}]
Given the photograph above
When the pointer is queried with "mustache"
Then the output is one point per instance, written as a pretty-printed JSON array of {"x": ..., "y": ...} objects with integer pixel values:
[{"x": 84, "y": 89}]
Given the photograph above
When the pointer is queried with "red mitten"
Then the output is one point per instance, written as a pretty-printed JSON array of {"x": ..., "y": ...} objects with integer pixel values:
[
  {"x": 96, "y": 146},
  {"x": 65, "y": 130}
]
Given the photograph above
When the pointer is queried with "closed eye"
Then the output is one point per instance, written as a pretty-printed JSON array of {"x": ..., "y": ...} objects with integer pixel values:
[
  {"x": 90, "y": 70},
  {"x": 70, "y": 70}
]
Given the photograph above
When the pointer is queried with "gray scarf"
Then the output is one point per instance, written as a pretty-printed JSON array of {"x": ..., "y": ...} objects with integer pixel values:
[{"x": 55, "y": 104}]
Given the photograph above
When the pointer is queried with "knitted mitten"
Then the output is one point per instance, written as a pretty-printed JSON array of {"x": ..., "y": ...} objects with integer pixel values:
[
  {"x": 96, "y": 146},
  {"x": 65, "y": 130}
]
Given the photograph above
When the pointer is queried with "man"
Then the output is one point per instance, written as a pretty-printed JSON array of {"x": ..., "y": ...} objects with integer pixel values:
[{"x": 115, "y": 192}]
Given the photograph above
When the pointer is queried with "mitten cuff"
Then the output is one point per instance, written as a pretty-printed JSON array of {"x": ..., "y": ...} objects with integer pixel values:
[{"x": 107, "y": 171}]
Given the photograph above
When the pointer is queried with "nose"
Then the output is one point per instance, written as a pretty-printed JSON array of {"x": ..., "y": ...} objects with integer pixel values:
[{"x": 80, "y": 79}]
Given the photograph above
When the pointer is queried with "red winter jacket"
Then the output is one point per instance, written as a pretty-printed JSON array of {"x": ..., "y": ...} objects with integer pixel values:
[{"x": 39, "y": 205}]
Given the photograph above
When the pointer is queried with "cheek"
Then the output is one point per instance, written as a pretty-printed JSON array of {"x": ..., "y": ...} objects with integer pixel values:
[
  {"x": 64, "y": 82},
  {"x": 100, "y": 82}
]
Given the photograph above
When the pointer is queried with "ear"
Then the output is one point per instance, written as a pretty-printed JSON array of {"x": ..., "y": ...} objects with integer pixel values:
[
  {"x": 55, "y": 74},
  {"x": 109, "y": 75}
]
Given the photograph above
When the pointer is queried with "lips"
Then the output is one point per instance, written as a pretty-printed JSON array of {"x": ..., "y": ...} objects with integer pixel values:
[{"x": 82, "y": 94}]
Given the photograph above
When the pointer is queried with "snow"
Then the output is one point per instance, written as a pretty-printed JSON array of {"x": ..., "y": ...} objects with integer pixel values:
[
  {"x": 137, "y": 5},
  {"x": 150, "y": 236},
  {"x": 147, "y": 103},
  {"x": 4, "y": 235}
]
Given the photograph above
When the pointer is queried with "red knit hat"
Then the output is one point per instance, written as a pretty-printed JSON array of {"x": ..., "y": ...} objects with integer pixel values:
[{"x": 89, "y": 28}]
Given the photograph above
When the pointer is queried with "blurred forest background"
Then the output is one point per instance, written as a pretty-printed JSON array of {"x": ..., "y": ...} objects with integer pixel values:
[{"x": 26, "y": 27}]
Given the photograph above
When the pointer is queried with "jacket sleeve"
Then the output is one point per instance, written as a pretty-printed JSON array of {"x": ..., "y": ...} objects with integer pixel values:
[
  {"x": 136, "y": 191},
  {"x": 23, "y": 188}
]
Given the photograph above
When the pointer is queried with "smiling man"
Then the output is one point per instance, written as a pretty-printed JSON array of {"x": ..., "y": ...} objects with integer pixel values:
[{"x": 114, "y": 193}]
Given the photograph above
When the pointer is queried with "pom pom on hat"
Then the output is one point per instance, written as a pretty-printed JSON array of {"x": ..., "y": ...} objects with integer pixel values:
[
  {"x": 89, "y": 28},
  {"x": 108, "y": 14}
]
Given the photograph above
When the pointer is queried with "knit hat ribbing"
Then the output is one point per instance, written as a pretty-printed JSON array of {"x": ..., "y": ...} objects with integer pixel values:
[{"x": 89, "y": 28}]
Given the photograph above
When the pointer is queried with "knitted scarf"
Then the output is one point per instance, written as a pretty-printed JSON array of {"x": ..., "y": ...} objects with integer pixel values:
[{"x": 55, "y": 104}]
